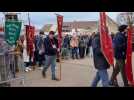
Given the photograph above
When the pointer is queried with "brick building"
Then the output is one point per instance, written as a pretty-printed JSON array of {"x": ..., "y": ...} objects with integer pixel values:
[{"x": 83, "y": 27}]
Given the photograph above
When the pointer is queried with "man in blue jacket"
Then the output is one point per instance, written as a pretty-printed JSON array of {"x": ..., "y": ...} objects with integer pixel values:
[
  {"x": 120, "y": 46},
  {"x": 100, "y": 63},
  {"x": 40, "y": 49},
  {"x": 51, "y": 49}
]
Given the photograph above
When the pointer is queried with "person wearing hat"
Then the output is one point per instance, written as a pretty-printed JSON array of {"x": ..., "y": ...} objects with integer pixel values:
[
  {"x": 120, "y": 46},
  {"x": 51, "y": 49}
]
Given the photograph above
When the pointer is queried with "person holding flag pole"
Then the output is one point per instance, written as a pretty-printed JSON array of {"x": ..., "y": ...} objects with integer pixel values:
[
  {"x": 120, "y": 45},
  {"x": 106, "y": 43},
  {"x": 102, "y": 52},
  {"x": 52, "y": 47},
  {"x": 123, "y": 50}
]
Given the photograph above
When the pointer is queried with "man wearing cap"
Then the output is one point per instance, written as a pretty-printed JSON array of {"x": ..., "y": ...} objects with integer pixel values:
[
  {"x": 120, "y": 46},
  {"x": 51, "y": 49}
]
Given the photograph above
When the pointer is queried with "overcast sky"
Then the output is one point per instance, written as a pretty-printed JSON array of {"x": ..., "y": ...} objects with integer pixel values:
[{"x": 41, "y": 18}]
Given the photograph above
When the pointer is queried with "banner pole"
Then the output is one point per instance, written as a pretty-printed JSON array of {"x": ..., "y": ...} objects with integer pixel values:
[
  {"x": 60, "y": 65},
  {"x": 28, "y": 19},
  {"x": 59, "y": 50}
]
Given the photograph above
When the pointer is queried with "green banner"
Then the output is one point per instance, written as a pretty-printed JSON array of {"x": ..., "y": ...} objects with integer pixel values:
[{"x": 12, "y": 31}]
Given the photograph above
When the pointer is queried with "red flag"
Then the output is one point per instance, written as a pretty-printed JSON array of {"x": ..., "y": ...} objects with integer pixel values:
[
  {"x": 106, "y": 40},
  {"x": 30, "y": 31},
  {"x": 1, "y": 29},
  {"x": 128, "y": 66},
  {"x": 60, "y": 23}
]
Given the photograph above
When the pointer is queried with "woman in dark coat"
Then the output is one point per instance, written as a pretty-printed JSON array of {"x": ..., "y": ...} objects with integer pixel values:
[{"x": 82, "y": 46}]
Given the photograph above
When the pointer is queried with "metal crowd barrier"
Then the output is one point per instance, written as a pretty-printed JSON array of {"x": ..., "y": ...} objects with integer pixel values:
[{"x": 8, "y": 72}]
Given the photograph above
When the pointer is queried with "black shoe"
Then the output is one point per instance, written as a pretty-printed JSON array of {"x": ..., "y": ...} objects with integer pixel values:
[
  {"x": 56, "y": 79},
  {"x": 114, "y": 84},
  {"x": 58, "y": 60},
  {"x": 127, "y": 85},
  {"x": 44, "y": 74}
]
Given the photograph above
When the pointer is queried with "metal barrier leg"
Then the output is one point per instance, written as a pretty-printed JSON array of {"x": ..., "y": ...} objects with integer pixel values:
[{"x": 8, "y": 70}]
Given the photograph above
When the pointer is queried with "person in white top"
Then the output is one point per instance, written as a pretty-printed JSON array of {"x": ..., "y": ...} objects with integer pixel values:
[{"x": 26, "y": 57}]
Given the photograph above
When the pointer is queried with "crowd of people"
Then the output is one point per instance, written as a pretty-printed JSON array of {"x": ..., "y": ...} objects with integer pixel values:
[
  {"x": 46, "y": 51},
  {"x": 76, "y": 46}
]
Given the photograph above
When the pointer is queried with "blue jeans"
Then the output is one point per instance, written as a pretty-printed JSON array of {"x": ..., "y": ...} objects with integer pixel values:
[
  {"x": 75, "y": 52},
  {"x": 50, "y": 61},
  {"x": 101, "y": 75}
]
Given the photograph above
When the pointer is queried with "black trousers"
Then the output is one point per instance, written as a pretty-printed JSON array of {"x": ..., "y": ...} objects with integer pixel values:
[
  {"x": 41, "y": 59},
  {"x": 36, "y": 56},
  {"x": 87, "y": 50},
  {"x": 119, "y": 67},
  {"x": 81, "y": 52}
]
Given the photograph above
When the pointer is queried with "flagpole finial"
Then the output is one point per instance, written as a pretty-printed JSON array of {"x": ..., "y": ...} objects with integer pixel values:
[
  {"x": 28, "y": 19},
  {"x": 58, "y": 14}
]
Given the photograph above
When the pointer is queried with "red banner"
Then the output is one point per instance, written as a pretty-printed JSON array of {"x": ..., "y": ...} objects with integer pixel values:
[
  {"x": 1, "y": 29},
  {"x": 128, "y": 67},
  {"x": 60, "y": 23},
  {"x": 30, "y": 31},
  {"x": 106, "y": 40}
]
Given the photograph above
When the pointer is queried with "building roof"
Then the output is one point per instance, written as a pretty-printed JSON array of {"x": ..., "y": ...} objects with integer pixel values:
[
  {"x": 81, "y": 24},
  {"x": 90, "y": 26},
  {"x": 47, "y": 27}
]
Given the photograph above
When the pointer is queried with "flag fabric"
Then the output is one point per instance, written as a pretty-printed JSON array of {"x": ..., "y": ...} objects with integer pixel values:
[
  {"x": 1, "y": 29},
  {"x": 30, "y": 31},
  {"x": 106, "y": 40},
  {"x": 128, "y": 67},
  {"x": 12, "y": 31},
  {"x": 60, "y": 23}
]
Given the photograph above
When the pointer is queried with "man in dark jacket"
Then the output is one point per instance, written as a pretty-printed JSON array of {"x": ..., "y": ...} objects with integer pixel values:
[
  {"x": 39, "y": 49},
  {"x": 51, "y": 49},
  {"x": 100, "y": 63},
  {"x": 120, "y": 46}
]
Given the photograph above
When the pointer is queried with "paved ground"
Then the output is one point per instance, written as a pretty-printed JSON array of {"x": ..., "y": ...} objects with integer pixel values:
[{"x": 75, "y": 73}]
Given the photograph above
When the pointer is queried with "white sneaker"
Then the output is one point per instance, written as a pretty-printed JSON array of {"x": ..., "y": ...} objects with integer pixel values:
[
  {"x": 40, "y": 68},
  {"x": 29, "y": 69},
  {"x": 26, "y": 70}
]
